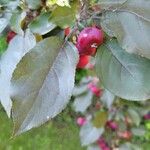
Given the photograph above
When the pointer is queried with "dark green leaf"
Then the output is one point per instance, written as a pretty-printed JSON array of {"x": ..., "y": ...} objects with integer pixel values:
[
  {"x": 82, "y": 102},
  {"x": 43, "y": 82},
  {"x": 15, "y": 22},
  {"x": 3, "y": 44},
  {"x": 100, "y": 119},
  {"x": 41, "y": 25},
  {"x": 17, "y": 48},
  {"x": 132, "y": 35},
  {"x": 65, "y": 16},
  {"x": 3, "y": 24},
  {"x": 126, "y": 75},
  {"x": 34, "y": 4},
  {"x": 135, "y": 116},
  {"x": 90, "y": 134}
]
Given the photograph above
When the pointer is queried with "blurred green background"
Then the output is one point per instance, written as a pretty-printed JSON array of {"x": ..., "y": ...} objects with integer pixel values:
[{"x": 61, "y": 134}]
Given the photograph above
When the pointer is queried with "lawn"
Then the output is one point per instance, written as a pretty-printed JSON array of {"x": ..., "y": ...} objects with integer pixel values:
[{"x": 56, "y": 135}]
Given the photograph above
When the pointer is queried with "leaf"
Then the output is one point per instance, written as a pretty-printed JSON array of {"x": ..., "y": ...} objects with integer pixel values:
[
  {"x": 93, "y": 147},
  {"x": 80, "y": 89},
  {"x": 107, "y": 98},
  {"x": 58, "y": 2},
  {"x": 129, "y": 146},
  {"x": 17, "y": 48},
  {"x": 15, "y": 22},
  {"x": 41, "y": 25},
  {"x": 4, "y": 2},
  {"x": 135, "y": 116},
  {"x": 100, "y": 119},
  {"x": 3, "y": 24},
  {"x": 32, "y": 4},
  {"x": 64, "y": 16},
  {"x": 90, "y": 134},
  {"x": 12, "y": 5},
  {"x": 140, "y": 131},
  {"x": 123, "y": 74},
  {"x": 106, "y": 4},
  {"x": 132, "y": 35},
  {"x": 3, "y": 44},
  {"x": 43, "y": 82},
  {"x": 82, "y": 102}
]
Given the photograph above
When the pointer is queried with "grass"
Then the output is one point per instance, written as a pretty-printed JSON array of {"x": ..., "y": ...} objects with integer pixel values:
[{"x": 57, "y": 135}]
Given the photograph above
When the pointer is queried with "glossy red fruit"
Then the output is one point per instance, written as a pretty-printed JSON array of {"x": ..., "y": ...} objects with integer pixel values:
[
  {"x": 89, "y": 39},
  {"x": 10, "y": 36},
  {"x": 83, "y": 61},
  {"x": 67, "y": 31}
]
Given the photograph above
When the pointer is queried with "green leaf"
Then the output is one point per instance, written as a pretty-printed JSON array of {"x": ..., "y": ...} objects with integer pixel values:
[
  {"x": 140, "y": 131},
  {"x": 3, "y": 45},
  {"x": 93, "y": 147},
  {"x": 4, "y": 2},
  {"x": 100, "y": 119},
  {"x": 132, "y": 35},
  {"x": 125, "y": 75},
  {"x": 43, "y": 82},
  {"x": 12, "y": 5},
  {"x": 33, "y": 4},
  {"x": 82, "y": 102},
  {"x": 58, "y": 2},
  {"x": 17, "y": 48},
  {"x": 135, "y": 116},
  {"x": 41, "y": 25},
  {"x": 3, "y": 24},
  {"x": 15, "y": 22},
  {"x": 65, "y": 16},
  {"x": 90, "y": 134},
  {"x": 107, "y": 98},
  {"x": 129, "y": 146},
  {"x": 80, "y": 89}
]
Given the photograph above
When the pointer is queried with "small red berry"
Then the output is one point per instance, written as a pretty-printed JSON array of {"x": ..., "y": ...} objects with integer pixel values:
[
  {"x": 103, "y": 144},
  {"x": 67, "y": 31},
  {"x": 112, "y": 125},
  {"x": 83, "y": 61},
  {"x": 97, "y": 91},
  {"x": 147, "y": 116},
  {"x": 89, "y": 39},
  {"x": 81, "y": 121},
  {"x": 10, "y": 36},
  {"x": 94, "y": 89}
]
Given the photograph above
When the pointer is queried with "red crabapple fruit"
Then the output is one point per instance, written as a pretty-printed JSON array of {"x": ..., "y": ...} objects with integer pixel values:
[
  {"x": 83, "y": 61},
  {"x": 67, "y": 31},
  {"x": 10, "y": 36},
  {"x": 89, "y": 39}
]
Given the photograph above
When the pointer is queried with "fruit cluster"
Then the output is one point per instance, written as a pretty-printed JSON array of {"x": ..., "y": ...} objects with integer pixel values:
[{"x": 87, "y": 42}]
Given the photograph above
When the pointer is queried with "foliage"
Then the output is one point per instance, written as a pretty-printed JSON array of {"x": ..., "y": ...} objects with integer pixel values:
[{"x": 39, "y": 69}]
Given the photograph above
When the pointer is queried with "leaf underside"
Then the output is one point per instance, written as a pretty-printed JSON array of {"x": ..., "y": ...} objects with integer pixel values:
[
  {"x": 43, "y": 83},
  {"x": 125, "y": 75}
]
